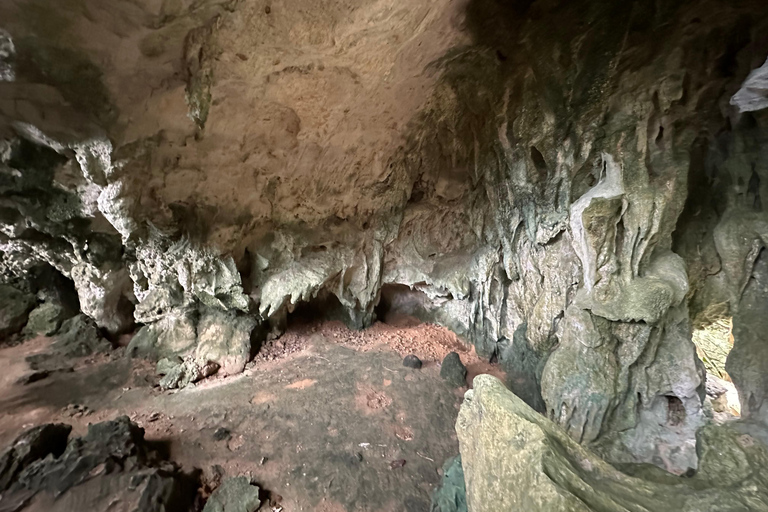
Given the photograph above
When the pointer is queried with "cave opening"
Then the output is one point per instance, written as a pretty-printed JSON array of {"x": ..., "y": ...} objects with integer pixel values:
[
  {"x": 400, "y": 304},
  {"x": 714, "y": 342}
]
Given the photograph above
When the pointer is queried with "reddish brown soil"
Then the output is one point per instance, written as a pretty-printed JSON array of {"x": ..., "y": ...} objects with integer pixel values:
[
  {"x": 334, "y": 422},
  {"x": 402, "y": 334}
]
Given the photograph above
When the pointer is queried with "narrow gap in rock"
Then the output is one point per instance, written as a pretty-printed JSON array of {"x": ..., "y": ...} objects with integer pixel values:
[{"x": 714, "y": 341}]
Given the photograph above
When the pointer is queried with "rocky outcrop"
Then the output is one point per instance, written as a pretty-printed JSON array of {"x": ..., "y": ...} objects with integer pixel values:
[
  {"x": 565, "y": 200},
  {"x": 15, "y": 306},
  {"x": 111, "y": 466},
  {"x": 515, "y": 459}
]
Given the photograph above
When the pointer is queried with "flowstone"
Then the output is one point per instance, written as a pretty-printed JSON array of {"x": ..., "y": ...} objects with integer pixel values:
[{"x": 516, "y": 459}]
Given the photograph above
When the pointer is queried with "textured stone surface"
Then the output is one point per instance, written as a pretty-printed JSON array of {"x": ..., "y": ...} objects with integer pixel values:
[
  {"x": 15, "y": 306},
  {"x": 515, "y": 459},
  {"x": 79, "y": 337},
  {"x": 225, "y": 339},
  {"x": 35, "y": 444},
  {"x": 182, "y": 373},
  {"x": 565, "y": 200},
  {"x": 45, "y": 319},
  {"x": 451, "y": 495},
  {"x": 234, "y": 495},
  {"x": 109, "y": 468},
  {"x": 453, "y": 371}
]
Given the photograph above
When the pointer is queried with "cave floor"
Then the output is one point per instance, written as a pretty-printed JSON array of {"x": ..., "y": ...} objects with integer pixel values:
[{"x": 325, "y": 419}]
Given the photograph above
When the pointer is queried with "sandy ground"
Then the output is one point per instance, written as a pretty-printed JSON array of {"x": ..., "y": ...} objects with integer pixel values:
[{"x": 326, "y": 419}]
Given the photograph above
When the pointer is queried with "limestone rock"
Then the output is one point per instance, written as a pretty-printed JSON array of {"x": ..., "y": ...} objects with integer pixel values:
[
  {"x": 35, "y": 444},
  {"x": 111, "y": 466},
  {"x": 78, "y": 337},
  {"x": 183, "y": 373},
  {"x": 45, "y": 319},
  {"x": 15, "y": 306},
  {"x": 451, "y": 495},
  {"x": 753, "y": 94},
  {"x": 489, "y": 173},
  {"x": 224, "y": 338},
  {"x": 235, "y": 494},
  {"x": 516, "y": 459},
  {"x": 453, "y": 371},
  {"x": 102, "y": 294},
  {"x": 522, "y": 366}
]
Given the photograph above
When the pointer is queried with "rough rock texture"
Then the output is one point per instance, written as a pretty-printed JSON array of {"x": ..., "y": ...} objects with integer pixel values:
[
  {"x": 451, "y": 496},
  {"x": 35, "y": 444},
  {"x": 515, "y": 459},
  {"x": 234, "y": 495},
  {"x": 182, "y": 373},
  {"x": 453, "y": 371},
  {"x": 45, "y": 319},
  {"x": 566, "y": 199},
  {"x": 15, "y": 306},
  {"x": 110, "y": 468}
]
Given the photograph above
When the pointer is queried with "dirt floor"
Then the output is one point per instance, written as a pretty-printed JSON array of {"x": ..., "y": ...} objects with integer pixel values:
[{"x": 326, "y": 419}]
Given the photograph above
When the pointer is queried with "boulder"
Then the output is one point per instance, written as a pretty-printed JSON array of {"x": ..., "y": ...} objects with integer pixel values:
[
  {"x": 32, "y": 445},
  {"x": 234, "y": 495},
  {"x": 516, "y": 459},
  {"x": 453, "y": 371},
  {"x": 15, "y": 306},
  {"x": 451, "y": 496},
  {"x": 79, "y": 337},
  {"x": 182, "y": 373},
  {"x": 110, "y": 468},
  {"x": 45, "y": 320},
  {"x": 224, "y": 338}
]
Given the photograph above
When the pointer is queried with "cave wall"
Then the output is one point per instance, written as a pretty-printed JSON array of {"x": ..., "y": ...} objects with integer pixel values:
[{"x": 566, "y": 184}]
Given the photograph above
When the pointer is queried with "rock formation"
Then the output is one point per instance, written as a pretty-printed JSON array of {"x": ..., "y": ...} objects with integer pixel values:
[
  {"x": 110, "y": 468},
  {"x": 515, "y": 459},
  {"x": 565, "y": 184}
]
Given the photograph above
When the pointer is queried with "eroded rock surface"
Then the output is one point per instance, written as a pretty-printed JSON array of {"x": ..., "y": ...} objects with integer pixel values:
[
  {"x": 515, "y": 459},
  {"x": 110, "y": 467},
  {"x": 234, "y": 495},
  {"x": 565, "y": 200}
]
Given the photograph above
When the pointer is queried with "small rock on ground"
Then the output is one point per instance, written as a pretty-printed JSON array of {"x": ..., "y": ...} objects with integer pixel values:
[
  {"x": 412, "y": 361},
  {"x": 453, "y": 370},
  {"x": 221, "y": 434},
  {"x": 234, "y": 495}
]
